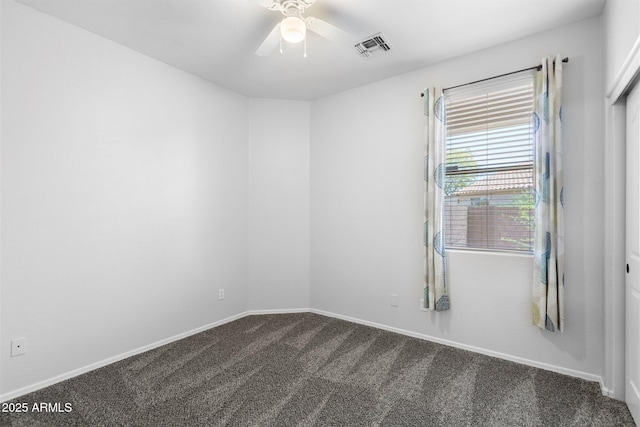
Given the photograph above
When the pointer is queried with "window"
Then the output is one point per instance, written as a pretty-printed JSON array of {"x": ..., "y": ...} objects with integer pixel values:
[{"x": 489, "y": 165}]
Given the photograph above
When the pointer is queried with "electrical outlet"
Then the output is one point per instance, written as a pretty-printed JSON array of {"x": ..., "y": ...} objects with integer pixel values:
[
  {"x": 394, "y": 300},
  {"x": 18, "y": 347},
  {"x": 221, "y": 294}
]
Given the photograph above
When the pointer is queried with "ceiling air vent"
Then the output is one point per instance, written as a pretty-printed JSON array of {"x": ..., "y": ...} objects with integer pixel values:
[{"x": 373, "y": 46}]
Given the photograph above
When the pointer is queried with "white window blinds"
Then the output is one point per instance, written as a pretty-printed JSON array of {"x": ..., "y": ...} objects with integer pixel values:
[{"x": 489, "y": 164}]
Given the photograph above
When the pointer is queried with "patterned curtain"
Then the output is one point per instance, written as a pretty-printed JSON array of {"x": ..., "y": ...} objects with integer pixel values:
[
  {"x": 548, "y": 270},
  {"x": 435, "y": 286}
]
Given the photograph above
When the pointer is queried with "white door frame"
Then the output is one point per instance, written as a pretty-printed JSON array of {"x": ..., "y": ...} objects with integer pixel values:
[{"x": 613, "y": 373}]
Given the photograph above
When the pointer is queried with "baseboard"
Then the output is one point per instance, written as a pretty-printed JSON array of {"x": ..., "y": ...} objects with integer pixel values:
[
  {"x": 610, "y": 392},
  {"x": 33, "y": 387},
  {"x": 67, "y": 375},
  {"x": 604, "y": 390},
  {"x": 499, "y": 355}
]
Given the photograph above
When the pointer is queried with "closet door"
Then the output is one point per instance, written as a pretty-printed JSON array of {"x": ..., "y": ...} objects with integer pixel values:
[{"x": 632, "y": 292}]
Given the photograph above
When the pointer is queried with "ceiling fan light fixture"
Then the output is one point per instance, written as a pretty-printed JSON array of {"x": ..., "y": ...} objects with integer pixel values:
[{"x": 293, "y": 29}]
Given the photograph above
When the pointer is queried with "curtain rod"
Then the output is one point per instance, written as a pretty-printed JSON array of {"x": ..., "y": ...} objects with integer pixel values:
[{"x": 537, "y": 68}]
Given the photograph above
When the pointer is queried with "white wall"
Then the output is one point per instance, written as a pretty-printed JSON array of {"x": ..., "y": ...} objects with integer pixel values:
[
  {"x": 367, "y": 204},
  {"x": 124, "y": 199},
  {"x": 279, "y": 205},
  {"x": 622, "y": 29}
]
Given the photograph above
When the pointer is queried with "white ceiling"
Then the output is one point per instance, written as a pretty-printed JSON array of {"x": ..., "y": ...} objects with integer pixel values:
[{"x": 216, "y": 39}]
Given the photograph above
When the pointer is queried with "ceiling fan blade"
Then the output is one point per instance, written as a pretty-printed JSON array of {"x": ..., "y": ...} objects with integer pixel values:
[
  {"x": 269, "y": 44},
  {"x": 328, "y": 31},
  {"x": 269, "y": 4}
]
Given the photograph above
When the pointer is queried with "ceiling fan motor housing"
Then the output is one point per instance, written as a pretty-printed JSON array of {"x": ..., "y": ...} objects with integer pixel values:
[{"x": 294, "y": 7}]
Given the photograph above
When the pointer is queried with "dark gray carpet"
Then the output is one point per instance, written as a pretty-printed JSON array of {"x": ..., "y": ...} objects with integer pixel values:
[{"x": 305, "y": 369}]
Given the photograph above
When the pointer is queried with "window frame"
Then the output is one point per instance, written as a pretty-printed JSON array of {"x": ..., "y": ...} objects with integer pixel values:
[{"x": 468, "y": 92}]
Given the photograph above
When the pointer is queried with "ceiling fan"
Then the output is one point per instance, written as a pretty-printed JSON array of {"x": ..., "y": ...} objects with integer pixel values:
[{"x": 293, "y": 26}]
